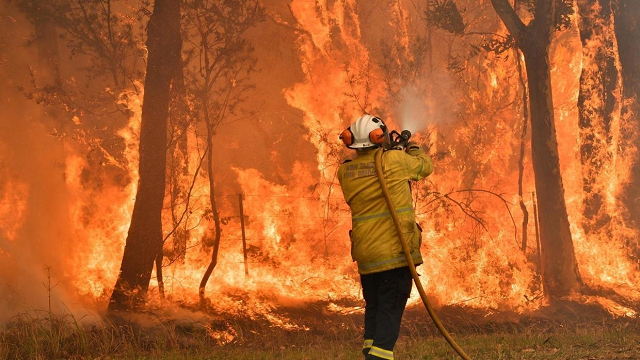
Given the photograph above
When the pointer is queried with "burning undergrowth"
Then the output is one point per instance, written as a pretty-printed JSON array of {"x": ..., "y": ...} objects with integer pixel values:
[
  {"x": 325, "y": 321},
  {"x": 188, "y": 333}
]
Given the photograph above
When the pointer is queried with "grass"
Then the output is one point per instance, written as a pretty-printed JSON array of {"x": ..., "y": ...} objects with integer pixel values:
[
  {"x": 38, "y": 335},
  {"x": 589, "y": 341}
]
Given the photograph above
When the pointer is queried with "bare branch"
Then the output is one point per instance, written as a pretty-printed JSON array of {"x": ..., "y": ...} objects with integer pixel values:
[{"x": 510, "y": 19}]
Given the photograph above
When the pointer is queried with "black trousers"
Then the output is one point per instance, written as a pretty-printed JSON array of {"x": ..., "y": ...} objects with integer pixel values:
[{"x": 385, "y": 294}]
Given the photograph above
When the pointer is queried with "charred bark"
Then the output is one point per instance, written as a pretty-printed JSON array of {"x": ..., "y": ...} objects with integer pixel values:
[
  {"x": 597, "y": 107},
  {"x": 627, "y": 30},
  {"x": 144, "y": 240},
  {"x": 559, "y": 268}
]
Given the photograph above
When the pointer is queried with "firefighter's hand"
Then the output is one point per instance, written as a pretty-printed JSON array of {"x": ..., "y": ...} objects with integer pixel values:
[
  {"x": 413, "y": 148},
  {"x": 413, "y": 144}
]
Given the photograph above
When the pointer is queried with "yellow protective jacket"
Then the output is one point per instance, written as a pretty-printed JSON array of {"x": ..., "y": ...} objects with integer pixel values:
[{"x": 375, "y": 245}]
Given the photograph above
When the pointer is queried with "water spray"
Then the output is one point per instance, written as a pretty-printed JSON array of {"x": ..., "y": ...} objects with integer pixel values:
[{"x": 400, "y": 140}]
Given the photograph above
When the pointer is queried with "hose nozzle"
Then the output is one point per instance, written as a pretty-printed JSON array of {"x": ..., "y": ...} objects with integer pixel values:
[
  {"x": 404, "y": 136},
  {"x": 398, "y": 140}
]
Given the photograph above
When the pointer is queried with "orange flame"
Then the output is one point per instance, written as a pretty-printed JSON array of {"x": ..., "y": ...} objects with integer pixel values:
[{"x": 296, "y": 231}]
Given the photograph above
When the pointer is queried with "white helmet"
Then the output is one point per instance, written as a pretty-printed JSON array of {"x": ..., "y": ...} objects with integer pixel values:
[{"x": 368, "y": 131}]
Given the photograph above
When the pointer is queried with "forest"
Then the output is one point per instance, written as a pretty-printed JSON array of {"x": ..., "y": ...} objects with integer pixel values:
[{"x": 165, "y": 154}]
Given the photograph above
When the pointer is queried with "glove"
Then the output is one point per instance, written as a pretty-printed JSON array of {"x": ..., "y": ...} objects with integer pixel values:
[
  {"x": 412, "y": 145},
  {"x": 413, "y": 148}
]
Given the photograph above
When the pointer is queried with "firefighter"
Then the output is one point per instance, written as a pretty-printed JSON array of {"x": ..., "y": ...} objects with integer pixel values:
[{"x": 375, "y": 246}]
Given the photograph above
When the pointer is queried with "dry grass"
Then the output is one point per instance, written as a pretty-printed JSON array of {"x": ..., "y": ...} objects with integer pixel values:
[
  {"x": 615, "y": 340},
  {"x": 37, "y": 335}
]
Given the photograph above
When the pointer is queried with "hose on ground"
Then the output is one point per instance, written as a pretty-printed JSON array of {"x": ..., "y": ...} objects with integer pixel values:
[{"x": 407, "y": 254}]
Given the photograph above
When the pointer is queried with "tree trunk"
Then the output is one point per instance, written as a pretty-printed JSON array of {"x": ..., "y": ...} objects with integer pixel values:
[
  {"x": 523, "y": 140},
  {"x": 144, "y": 240},
  {"x": 597, "y": 107},
  {"x": 559, "y": 267},
  {"x": 214, "y": 210},
  {"x": 627, "y": 29}
]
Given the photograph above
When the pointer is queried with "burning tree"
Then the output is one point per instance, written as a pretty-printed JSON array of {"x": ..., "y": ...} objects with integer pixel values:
[
  {"x": 144, "y": 240},
  {"x": 599, "y": 109},
  {"x": 81, "y": 103},
  {"x": 218, "y": 75},
  {"x": 626, "y": 17},
  {"x": 559, "y": 268}
]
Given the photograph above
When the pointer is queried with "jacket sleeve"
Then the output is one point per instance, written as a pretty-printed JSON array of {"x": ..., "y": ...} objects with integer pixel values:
[{"x": 419, "y": 164}]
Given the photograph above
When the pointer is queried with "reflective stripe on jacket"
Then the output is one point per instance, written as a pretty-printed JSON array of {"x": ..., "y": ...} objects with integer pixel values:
[{"x": 375, "y": 245}]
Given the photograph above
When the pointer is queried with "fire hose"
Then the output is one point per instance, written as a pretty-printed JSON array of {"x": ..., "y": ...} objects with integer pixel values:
[{"x": 407, "y": 254}]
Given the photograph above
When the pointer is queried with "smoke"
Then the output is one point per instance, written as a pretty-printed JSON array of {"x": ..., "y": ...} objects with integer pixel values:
[
  {"x": 35, "y": 253},
  {"x": 35, "y": 237},
  {"x": 413, "y": 110},
  {"x": 429, "y": 104}
]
